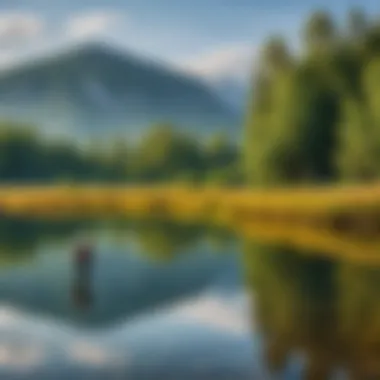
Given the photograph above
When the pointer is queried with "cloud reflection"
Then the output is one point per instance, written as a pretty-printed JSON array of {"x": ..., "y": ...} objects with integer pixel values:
[
  {"x": 217, "y": 313},
  {"x": 8, "y": 317},
  {"x": 88, "y": 353},
  {"x": 21, "y": 356},
  {"x": 210, "y": 332}
]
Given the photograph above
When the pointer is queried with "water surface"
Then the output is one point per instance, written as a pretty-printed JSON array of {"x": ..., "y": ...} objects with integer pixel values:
[{"x": 160, "y": 300}]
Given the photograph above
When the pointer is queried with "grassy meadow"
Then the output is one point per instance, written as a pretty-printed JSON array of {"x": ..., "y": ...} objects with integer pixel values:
[{"x": 339, "y": 219}]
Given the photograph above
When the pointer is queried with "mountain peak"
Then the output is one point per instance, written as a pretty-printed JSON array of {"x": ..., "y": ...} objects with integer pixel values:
[
  {"x": 95, "y": 89},
  {"x": 94, "y": 48},
  {"x": 89, "y": 51}
]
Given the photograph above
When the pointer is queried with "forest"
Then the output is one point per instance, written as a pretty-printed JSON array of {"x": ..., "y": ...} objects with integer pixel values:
[
  {"x": 314, "y": 114},
  {"x": 162, "y": 154},
  {"x": 313, "y": 117}
]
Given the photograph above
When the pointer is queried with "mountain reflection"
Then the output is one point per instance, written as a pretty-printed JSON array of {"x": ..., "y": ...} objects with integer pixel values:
[
  {"x": 99, "y": 273},
  {"x": 326, "y": 313},
  {"x": 311, "y": 315}
]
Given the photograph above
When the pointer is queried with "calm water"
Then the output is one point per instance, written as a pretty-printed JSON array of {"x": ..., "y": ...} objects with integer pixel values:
[{"x": 158, "y": 300}]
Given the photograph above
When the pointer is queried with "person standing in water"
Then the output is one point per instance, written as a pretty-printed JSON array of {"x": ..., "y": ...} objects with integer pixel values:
[{"x": 84, "y": 258}]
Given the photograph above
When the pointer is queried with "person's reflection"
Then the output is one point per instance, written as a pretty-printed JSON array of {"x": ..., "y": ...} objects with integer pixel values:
[{"x": 83, "y": 266}]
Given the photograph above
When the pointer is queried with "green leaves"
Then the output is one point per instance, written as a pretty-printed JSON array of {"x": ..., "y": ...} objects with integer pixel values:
[
  {"x": 319, "y": 33},
  {"x": 317, "y": 118},
  {"x": 163, "y": 154}
]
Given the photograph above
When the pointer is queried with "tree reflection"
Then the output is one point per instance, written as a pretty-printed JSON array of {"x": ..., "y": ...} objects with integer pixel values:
[
  {"x": 324, "y": 311},
  {"x": 19, "y": 237},
  {"x": 163, "y": 240},
  {"x": 220, "y": 238},
  {"x": 359, "y": 316},
  {"x": 159, "y": 239}
]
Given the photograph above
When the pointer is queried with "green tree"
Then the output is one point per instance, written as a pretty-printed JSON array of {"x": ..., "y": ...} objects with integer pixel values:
[
  {"x": 275, "y": 56},
  {"x": 220, "y": 153},
  {"x": 164, "y": 153},
  {"x": 320, "y": 34},
  {"x": 357, "y": 24}
]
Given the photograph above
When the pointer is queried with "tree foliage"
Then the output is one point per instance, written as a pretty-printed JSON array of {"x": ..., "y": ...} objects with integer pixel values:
[
  {"x": 163, "y": 154},
  {"x": 316, "y": 118}
]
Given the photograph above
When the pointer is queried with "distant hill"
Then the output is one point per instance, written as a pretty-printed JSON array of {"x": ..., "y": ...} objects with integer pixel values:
[
  {"x": 95, "y": 90},
  {"x": 234, "y": 92}
]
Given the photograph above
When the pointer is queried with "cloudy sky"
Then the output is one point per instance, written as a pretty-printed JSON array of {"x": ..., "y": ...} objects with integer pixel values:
[{"x": 208, "y": 37}]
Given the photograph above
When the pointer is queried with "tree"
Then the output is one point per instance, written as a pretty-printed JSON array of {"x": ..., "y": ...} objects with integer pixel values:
[
  {"x": 359, "y": 150},
  {"x": 292, "y": 140},
  {"x": 275, "y": 55},
  {"x": 357, "y": 24},
  {"x": 20, "y": 153},
  {"x": 164, "y": 153},
  {"x": 117, "y": 160},
  {"x": 319, "y": 33},
  {"x": 219, "y": 152}
]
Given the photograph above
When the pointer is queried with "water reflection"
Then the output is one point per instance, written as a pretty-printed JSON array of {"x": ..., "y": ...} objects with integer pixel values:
[
  {"x": 153, "y": 299},
  {"x": 315, "y": 311},
  {"x": 84, "y": 260},
  {"x": 20, "y": 238},
  {"x": 358, "y": 309},
  {"x": 147, "y": 300}
]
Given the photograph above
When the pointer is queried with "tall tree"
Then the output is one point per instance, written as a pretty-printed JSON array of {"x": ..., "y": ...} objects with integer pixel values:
[
  {"x": 320, "y": 33},
  {"x": 357, "y": 24}
]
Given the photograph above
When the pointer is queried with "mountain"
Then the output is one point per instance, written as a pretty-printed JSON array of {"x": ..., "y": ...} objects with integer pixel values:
[
  {"x": 232, "y": 91},
  {"x": 96, "y": 90}
]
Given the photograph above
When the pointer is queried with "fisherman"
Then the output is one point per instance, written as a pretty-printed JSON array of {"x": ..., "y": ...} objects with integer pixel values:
[{"x": 84, "y": 256}]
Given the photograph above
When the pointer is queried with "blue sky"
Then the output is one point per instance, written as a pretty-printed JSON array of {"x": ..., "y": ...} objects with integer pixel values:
[{"x": 208, "y": 37}]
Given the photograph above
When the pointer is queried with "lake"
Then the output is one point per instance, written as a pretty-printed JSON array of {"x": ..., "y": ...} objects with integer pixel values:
[{"x": 150, "y": 299}]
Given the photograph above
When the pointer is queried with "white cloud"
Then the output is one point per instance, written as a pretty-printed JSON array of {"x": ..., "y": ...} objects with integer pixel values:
[
  {"x": 19, "y": 28},
  {"x": 229, "y": 61},
  {"x": 92, "y": 24}
]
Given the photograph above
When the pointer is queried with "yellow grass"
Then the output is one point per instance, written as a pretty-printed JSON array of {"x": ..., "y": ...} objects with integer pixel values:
[
  {"x": 337, "y": 213},
  {"x": 323, "y": 201}
]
